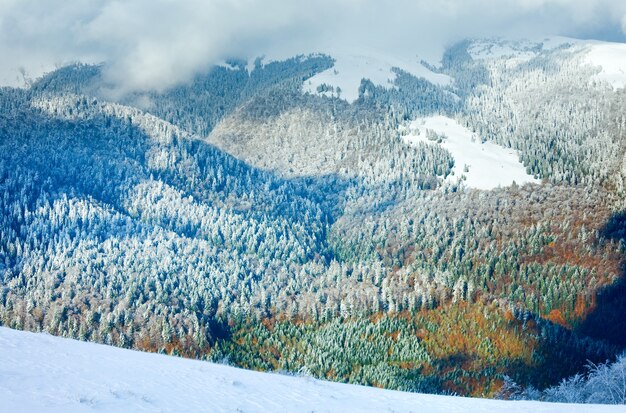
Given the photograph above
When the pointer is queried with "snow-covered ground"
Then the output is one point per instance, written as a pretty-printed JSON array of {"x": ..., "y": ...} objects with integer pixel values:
[
  {"x": 42, "y": 373},
  {"x": 483, "y": 165},
  {"x": 611, "y": 58},
  {"x": 349, "y": 69}
]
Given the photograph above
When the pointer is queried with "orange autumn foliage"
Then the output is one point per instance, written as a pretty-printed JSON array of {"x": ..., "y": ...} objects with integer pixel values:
[{"x": 556, "y": 316}]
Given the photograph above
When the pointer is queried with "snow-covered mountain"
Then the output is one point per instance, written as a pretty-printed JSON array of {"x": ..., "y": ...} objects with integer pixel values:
[
  {"x": 371, "y": 235},
  {"x": 344, "y": 77},
  {"x": 606, "y": 58},
  {"x": 42, "y": 373}
]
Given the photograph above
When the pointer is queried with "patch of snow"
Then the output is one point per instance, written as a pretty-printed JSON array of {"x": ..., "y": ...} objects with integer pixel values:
[
  {"x": 482, "y": 165},
  {"x": 611, "y": 58},
  {"x": 42, "y": 373},
  {"x": 350, "y": 69},
  {"x": 554, "y": 42}
]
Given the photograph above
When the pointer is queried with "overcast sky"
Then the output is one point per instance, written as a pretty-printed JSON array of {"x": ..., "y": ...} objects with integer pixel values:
[{"x": 158, "y": 43}]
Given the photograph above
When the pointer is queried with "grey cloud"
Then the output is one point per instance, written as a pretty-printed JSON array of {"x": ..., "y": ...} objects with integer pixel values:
[{"x": 158, "y": 43}]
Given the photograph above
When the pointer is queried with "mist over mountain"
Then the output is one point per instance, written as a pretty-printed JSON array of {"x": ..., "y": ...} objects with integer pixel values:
[{"x": 158, "y": 44}]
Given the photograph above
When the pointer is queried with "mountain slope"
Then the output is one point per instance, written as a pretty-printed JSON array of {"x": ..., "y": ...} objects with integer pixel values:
[{"x": 49, "y": 374}]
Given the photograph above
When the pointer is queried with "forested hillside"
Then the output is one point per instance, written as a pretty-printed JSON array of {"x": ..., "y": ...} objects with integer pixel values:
[{"x": 242, "y": 218}]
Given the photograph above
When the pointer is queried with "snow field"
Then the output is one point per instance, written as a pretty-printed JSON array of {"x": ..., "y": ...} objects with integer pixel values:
[
  {"x": 350, "y": 69},
  {"x": 480, "y": 165}
]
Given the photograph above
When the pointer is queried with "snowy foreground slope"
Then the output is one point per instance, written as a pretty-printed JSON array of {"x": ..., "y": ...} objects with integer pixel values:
[{"x": 42, "y": 373}]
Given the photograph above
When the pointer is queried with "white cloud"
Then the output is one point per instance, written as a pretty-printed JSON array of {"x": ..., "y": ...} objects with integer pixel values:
[{"x": 158, "y": 43}]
